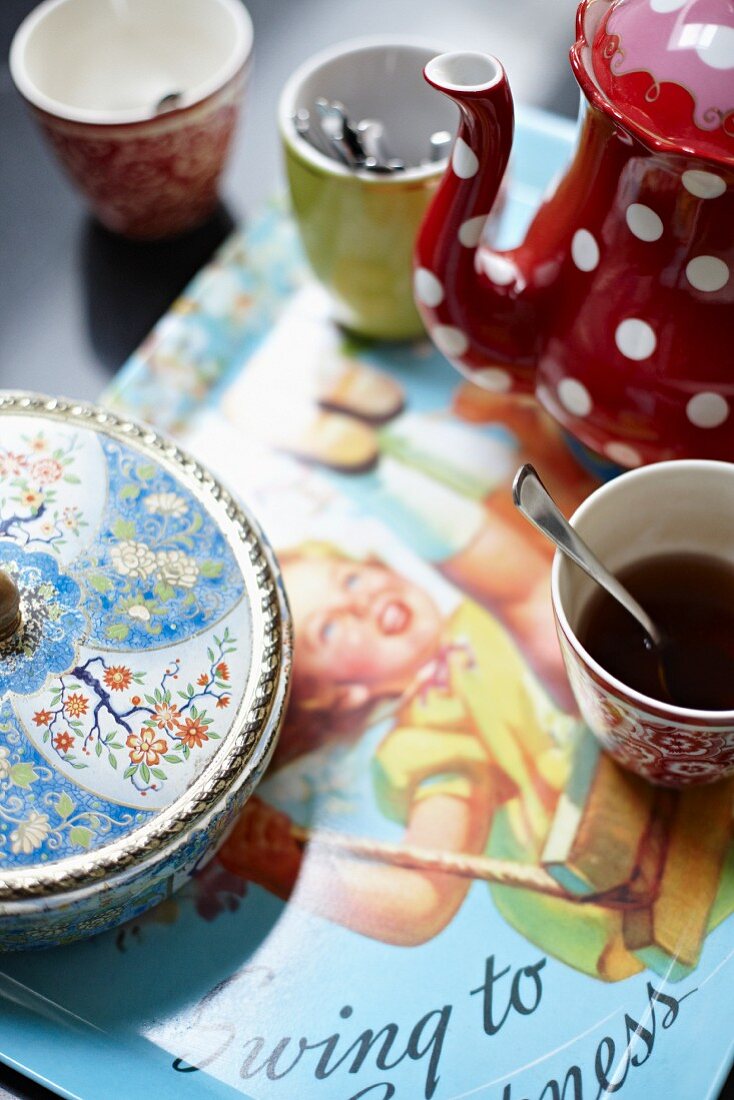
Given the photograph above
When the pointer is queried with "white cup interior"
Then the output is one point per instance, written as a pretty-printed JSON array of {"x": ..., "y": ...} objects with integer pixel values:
[
  {"x": 113, "y": 60},
  {"x": 669, "y": 507},
  {"x": 380, "y": 79}
]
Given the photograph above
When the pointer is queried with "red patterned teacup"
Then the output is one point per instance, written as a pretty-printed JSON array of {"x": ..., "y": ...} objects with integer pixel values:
[
  {"x": 669, "y": 507},
  {"x": 139, "y": 99}
]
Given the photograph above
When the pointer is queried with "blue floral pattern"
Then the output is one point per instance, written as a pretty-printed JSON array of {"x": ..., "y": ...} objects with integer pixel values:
[
  {"x": 44, "y": 817},
  {"x": 134, "y": 649},
  {"x": 160, "y": 570},
  {"x": 52, "y": 621}
]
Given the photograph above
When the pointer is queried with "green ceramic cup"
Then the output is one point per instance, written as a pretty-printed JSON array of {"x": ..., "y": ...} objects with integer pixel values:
[{"x": 358, "y": 228}]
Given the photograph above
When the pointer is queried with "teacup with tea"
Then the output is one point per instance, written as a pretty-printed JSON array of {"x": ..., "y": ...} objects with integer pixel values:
[{"x": 667, "y": 533}]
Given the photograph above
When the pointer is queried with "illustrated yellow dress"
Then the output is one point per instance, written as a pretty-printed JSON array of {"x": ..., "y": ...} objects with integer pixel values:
[{"x": 607, "y": 838}]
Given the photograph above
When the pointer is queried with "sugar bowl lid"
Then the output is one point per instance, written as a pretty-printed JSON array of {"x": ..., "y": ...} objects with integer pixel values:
[
  {"x": 144, "y": 645},
  {"x": 668, "y": 68}
]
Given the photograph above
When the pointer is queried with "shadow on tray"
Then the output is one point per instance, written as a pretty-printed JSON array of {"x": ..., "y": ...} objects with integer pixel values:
[{"x": 128, "y": 285}]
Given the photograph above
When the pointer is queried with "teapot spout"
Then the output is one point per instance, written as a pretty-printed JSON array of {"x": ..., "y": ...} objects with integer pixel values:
[{"x": 474, "y": 301}]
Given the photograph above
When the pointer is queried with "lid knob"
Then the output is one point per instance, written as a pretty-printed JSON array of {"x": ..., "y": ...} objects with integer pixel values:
[{"x": 9, "y": 606}]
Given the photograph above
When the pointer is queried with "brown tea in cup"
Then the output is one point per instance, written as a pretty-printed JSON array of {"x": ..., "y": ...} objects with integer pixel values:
[{"x": 690, "y": 597}]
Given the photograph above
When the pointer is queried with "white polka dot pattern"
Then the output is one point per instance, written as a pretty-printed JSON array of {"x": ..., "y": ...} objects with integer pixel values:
[
  {"x": 464, "y": 160},
  {"x": 635, "y": 338},
  {"x": 717, "y": 50},
  {"x": 707, "y": 410},
  {"x": 493, "y": 378},
  {"x": 449, "y": 340},
  {"x": 575, "y": 397},
  {"x": 644, "y": 222},
  {"x": 623, "y": 454},
  {"x": 470, "y": 231},
  {"x": 704, "y": 185},
  {"x": 584, "y": 250},
  {"x": 498, "y": 269},
  {"x": 427, "y": 288},
  {"x": 707, "y": 273}
]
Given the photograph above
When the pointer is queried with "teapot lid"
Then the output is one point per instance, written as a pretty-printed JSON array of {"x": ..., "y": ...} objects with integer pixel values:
[
  {"x": 143, "y": 645},
  {"x": 667, "y": 66}
]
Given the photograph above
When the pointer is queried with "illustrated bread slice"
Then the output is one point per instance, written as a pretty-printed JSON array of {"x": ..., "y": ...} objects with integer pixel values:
[
  {"x": 668, "y": 934},
  {"x": 599, "y": 825}
]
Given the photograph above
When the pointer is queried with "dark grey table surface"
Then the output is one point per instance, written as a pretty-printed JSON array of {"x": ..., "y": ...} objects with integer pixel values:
[{"x": 75, "y": 301}]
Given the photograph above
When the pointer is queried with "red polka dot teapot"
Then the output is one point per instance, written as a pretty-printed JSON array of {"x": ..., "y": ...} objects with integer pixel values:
[{"x": 617, "y": 309}]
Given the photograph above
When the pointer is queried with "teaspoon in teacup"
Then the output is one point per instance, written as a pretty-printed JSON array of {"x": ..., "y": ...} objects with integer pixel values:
[
  {"x": 537, "y": 505},
  {"x": 677, "y": 658}
]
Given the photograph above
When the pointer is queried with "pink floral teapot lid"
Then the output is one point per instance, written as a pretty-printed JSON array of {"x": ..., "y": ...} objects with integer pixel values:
[
  {"x": 666, "y": 67},
  {"x": 144, "y": 647}
]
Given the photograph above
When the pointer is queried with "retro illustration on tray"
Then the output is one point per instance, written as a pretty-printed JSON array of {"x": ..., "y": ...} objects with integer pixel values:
[
  {"x": 439, "y": 477},
  {"x": 484, "y": 752},
  {"x": 432, "y": 773},
  {"x": 477, "y": 759},
  {"x": 425, "y": 781}
]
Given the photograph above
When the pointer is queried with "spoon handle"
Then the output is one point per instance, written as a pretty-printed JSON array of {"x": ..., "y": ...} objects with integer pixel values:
[{"x": 536, "y": 504}]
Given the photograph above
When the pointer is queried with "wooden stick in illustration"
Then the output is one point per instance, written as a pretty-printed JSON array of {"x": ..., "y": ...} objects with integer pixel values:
[{"x": 484, "y": 868}]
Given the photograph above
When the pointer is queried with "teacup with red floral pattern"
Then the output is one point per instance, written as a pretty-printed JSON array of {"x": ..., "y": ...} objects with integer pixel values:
[
  {"x": 138, "y": 99},
  {"x": 669, "y": 507}
]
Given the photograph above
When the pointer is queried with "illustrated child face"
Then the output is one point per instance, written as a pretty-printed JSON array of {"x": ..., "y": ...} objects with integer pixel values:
[{"x": 361, "y": 630}]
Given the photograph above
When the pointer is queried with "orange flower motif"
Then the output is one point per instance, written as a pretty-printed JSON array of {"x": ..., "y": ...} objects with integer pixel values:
[
  {"x": 76, "y": 705},
  {"x": 118, "y": 677},
  {"x": 42, "y": 717},
  {"x": 145, "y": 747},
  {"x": 222, "y": 701},
  {"x": 63, "y": 741},
  {"x": 223, "y": 670},
  {"x": 203, "y": 680},
  {"x": 32, "y": 499},
  {"x": 166, "y": 715},
  {"x": 192, "y": 733}
]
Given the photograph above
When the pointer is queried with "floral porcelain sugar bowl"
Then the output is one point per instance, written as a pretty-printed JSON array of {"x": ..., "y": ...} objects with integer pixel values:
[{"x": 144, "y": 665}]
